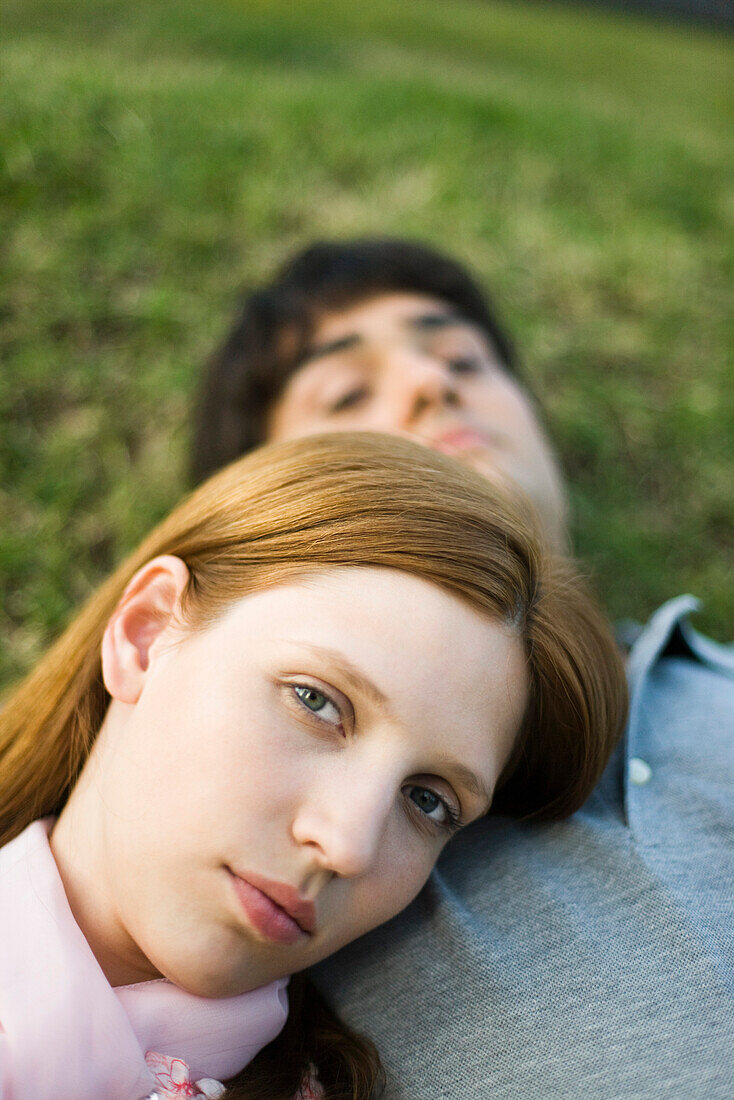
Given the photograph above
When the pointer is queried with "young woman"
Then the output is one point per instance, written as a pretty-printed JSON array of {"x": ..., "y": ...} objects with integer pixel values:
[{"x": 250, "y": 748}]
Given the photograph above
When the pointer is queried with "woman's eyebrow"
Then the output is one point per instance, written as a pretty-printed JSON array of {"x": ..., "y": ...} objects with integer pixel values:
[
  {"x": 465, "y": 777},
  {"x": 353, "y": 677}
]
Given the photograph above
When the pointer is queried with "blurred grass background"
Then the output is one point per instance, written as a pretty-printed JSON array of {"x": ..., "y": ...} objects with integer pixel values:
[{"x": 157, "y": 157}]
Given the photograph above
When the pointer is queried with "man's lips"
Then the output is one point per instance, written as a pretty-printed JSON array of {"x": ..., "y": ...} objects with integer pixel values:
[
  {"x": 459, "y": 439},
  {"x": 275, "y": 909}
]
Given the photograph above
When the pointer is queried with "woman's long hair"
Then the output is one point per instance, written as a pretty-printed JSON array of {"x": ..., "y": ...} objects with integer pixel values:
[{"x": 317, "y": 503}]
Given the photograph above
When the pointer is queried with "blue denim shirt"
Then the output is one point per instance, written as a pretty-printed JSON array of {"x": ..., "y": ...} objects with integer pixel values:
[{"x": 591, "y": 958}]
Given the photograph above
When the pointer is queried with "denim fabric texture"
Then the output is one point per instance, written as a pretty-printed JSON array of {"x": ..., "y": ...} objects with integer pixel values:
[{"x": 592, "y": 958}]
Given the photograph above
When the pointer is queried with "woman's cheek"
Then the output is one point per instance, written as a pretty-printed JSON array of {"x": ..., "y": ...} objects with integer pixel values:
[{"x": 410, "y": 863}]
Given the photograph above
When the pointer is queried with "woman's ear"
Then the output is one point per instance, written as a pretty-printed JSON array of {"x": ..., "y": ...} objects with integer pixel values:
[{"x": 147, "y": 608}]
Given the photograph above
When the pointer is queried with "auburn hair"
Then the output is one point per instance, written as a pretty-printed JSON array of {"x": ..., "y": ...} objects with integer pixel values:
[{"x": 321, "y": 502}]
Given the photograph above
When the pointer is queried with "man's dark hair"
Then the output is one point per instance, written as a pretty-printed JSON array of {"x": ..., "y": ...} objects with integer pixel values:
[{"x": 270, "y": 337}]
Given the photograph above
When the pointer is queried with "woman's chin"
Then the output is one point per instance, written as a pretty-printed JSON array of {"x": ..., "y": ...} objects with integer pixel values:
[{"x": 219, "y": 979}]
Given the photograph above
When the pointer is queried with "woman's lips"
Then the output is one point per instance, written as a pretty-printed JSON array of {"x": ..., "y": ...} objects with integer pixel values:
[{"x": 274, "y": 909}]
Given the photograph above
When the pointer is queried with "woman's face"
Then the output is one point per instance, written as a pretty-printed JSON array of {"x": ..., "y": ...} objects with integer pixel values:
[{"x": 286, "y": 779}]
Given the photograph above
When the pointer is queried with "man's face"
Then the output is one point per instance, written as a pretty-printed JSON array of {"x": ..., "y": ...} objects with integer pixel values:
[{"x": 408, "y": 364}]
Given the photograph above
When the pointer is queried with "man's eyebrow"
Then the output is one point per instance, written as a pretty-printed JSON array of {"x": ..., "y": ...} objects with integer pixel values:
[
  {"x": 352, "y": 675},
  {"x": 421, "y": 322},
  {"x": 424, "y": 322},
  {"x": 330, "y": 347},
  {"x": 465, "y": 777}
]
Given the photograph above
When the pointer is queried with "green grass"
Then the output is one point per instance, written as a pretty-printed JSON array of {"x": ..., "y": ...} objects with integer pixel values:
[{"x": 157, "y": 157}]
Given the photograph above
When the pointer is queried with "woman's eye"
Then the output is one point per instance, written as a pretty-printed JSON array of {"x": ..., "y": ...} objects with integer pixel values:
[
  {"x": 348, "y": 400},
  {"x": 318, "y": 703},
  {"x": 433, "y": 806}
]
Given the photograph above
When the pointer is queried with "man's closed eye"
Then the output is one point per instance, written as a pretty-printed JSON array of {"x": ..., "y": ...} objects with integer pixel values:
[{"x": 349, "y": 399}]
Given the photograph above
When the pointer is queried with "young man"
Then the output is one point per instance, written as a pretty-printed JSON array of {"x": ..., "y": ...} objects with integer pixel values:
[{"x": 593, "y": 958}]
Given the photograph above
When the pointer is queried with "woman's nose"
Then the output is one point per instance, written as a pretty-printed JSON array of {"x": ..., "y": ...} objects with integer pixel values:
[{"x": 344, "y": 829}]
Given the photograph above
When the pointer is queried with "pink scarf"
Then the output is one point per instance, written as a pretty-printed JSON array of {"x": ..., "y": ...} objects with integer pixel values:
[{"x": 66, "y": 1034}]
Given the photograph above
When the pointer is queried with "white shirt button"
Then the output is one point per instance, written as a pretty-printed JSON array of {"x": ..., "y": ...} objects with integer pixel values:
[{"x": 640, "y": 772}]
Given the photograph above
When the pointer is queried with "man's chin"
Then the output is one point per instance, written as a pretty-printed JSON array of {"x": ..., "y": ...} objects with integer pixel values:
[
  {"x": 487, "y": 466},
  {"x": 539, "y": 507}
]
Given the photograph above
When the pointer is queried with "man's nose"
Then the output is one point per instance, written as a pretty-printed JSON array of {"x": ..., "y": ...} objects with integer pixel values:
[
  {"x": 420, "y": 383},
  {"x": 344, "y": 828}
]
